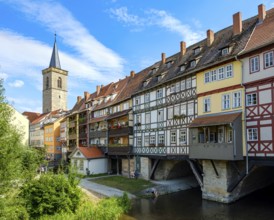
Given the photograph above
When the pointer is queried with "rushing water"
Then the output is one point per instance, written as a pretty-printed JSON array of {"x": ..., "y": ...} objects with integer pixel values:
[{"x": 189, "y": 205}]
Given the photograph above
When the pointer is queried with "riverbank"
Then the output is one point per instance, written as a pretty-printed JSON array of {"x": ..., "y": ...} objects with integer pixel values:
[{"x": 162, "y": 187}]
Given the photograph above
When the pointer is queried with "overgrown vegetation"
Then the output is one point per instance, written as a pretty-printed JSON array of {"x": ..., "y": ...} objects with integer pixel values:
[
  {"x": 126, "y": 184},
  {"x": 25, "y": 195}
]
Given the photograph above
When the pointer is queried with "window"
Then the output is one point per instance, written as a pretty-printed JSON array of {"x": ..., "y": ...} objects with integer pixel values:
[
  {"x": 137, "y": 100},
  {"x": 138, "y": 118},
  {"x": 172, "y": 88},
  {"x": 177, "y": 86},
  {"x": 139, "y": 141},
  {"x": 182, "y": 67},
  {"x": 188, "y": 83},
  {"x": 213, "y": 75},
  {"x": 59, "y": 83},
  {"x": 159, "y": 77},
  {"x": 268, "y": 59},
  {"x": 225, "y": 51},
  {"x": 173, "y": 137},
  {"x": 207, "y": 77},
  {"x": 161, "y": 139},
  {"x": 170, "y": 113},
  {"x": 251, "y": 99},
  {"x": 160, "y": 115},
  {"x": 152, "y": 140},
  {"x": 190, "y": 108},
  {"x": 147, "y": 118},
  {"x": 221, "y": 74},
  {"x": 145, "y": 83},
  {"x": 254, "y": 64},
  {"x": 183, "y": 85},
  {"x": 183, "y": 136},
  {"x": 226, "y": 101},
  {"x": 81, "y": 165},
  {"x": 237, "y": 99},
  {"x": 147, "y": 97},
  {"x": 193, "y": 63},
  {"x": 197, "y": 50},
  {"x": 159, "y": 93},
  {"x": 146, "y": 140},
  {"x": 207, "y": 105},
  {"x": 229, "y": 72},
  {"x": 168, "y": 64},
  {"x": 183, "y": 109},
  {"x": 220, "y": 134},
  {"x": 229, "y": 135},
  {"x": 47, "y": 82},
  {"x": 252, "y": 134}
]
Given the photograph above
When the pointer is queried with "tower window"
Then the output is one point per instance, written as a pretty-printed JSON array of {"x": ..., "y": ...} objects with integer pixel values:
[
  {"x": 59, "y": 82},
  {"x": 47, "y": 82}
]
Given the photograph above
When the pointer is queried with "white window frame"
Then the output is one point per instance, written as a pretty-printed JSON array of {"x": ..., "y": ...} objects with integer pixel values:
[
  {"x": 268, "y": 59},
  {"x": 207, "y": 104},
  {"x": 254, "y": 64},
  {"x": 237, "y": 99},
  {"x": 213, "y": 75},
  {"x": 229, "y": 71},
  {"x": 226, "y": 101},
  {"x": 160, "y": 115},
  {"x": 173, "y": 137},
  {"x": 221, "y": 73},
  {"x": 161, "y": 139},
  {"x": 139, "y": 141},
  {"x": 183, "y": 136},
  {"x": 152, "y": 139},
  {"x": 251, "y": 99},
  {"x": 159, "y": 94},
  {"x": 147, "y": 97},
  {"x": 252, "y": 134},
  {"x": 225, "y": 51}
]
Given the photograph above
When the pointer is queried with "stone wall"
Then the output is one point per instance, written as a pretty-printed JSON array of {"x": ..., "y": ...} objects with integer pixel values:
[
  {"x": 125, "y": 164},
  {"x": 145, "y": 167}
]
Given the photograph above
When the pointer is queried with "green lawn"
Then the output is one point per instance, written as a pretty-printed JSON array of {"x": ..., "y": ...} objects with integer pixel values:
[{"x": 130, "y": 185}]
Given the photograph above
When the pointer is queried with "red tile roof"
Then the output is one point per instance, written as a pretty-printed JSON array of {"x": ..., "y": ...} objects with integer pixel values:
[
  {"x": 91, "y": 152},
  {"x": 31, "y": 115}
]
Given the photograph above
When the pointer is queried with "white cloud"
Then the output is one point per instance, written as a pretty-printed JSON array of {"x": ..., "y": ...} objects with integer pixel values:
[
  {"x": 158, "y": 18},
  {"x": 16, "y": 83},
  {"x": 94, "y": 60},
  {"x": 3, "y": 76},
  {"x": 25, "y": 104}
]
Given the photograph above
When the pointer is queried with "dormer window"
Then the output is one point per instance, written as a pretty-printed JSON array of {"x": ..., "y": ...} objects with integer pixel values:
[
  {"x": 154, "y": 70},
  {"x": 225, "y": 51},
  {"x": 197, "y": 50},
  {"x": 159, "y": 78},
  {"x": 169, "y": 63},
  {"x": 182, "y": 67},
  {"x": 193, "y": 63}
]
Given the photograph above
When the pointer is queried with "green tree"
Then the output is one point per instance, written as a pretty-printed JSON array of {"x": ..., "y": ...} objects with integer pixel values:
[
  {"x": 51, "y": 194},
  {"x": 18, "y": 164}
]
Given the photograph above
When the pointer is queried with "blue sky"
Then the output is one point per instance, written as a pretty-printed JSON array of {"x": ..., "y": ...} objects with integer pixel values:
[{"x": 99, "y": 41}]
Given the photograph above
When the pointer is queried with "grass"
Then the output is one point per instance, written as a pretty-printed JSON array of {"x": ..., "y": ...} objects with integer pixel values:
[{"x": 130, "y": 185}]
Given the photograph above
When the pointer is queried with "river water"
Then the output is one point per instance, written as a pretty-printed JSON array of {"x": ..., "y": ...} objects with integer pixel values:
[{"x": 189, "y": 205}]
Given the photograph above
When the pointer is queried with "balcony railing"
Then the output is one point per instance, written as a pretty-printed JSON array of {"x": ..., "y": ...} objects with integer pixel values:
[
  {"x": 82, "y": 121},
  {"x": 215, "y": 151},
  {"x": 123, "y": 131},
  {"x": 72, "y": 124},
  {"x": 72, "y": 136},
  {"x": 119, "y": 149},
  {"x": 161, "y": 150},
  {"x": 97, "y": 134}
]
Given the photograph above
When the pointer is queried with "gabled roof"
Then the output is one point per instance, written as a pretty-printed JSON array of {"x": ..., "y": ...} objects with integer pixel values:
[
  {"x": 31, "y": 116},
  {"x": 54, "y": 61},
  {"x": 263, "y": 34},
  {"x": 89, "y": 152}
]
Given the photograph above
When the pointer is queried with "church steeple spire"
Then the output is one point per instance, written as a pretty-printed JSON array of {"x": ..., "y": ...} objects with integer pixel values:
[{"x": 54, "y": 61}]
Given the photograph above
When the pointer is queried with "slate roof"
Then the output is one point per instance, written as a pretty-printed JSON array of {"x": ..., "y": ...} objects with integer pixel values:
[
  {"x": 208, "y": 57},
  {"x": 54, "y": 61}
]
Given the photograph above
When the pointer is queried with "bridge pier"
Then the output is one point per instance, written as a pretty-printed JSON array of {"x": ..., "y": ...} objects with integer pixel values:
[{"x": 219, "y": 179}]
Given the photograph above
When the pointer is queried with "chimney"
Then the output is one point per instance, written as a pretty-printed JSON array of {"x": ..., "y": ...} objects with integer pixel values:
[
  {"x": 132, "y": 73},
  {"x": 98, "y": 88},
  {"x": 261, "y": 13},
  {"x": 237, "y": 23},
  {"x": 210, "y": 37},
  {"x": 79, "y": 98},
  {"x": 86, "y": 94},
  {"x": 183, "y": 48},
  {"x": 163, "y": 58}
]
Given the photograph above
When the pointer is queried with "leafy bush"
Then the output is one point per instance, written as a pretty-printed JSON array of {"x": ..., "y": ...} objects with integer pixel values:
[
  {"x": 124, "y": 202},
  {"x": 51, "y": 194}
]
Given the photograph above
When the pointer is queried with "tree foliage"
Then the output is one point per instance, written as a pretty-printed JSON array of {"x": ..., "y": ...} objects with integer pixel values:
[{"x": 51, "y": 194}]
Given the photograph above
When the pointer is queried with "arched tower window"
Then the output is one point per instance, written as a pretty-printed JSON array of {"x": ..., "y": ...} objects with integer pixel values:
[
  {"x": 59, "y": 82},
  {"x": 47, "y": 82}
]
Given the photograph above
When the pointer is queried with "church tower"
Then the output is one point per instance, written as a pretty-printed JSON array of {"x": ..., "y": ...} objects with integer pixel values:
[{"x": 54, "y": 84}]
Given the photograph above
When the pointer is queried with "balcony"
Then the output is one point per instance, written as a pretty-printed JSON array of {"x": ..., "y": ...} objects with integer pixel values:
[
  {"x": 72, "y": 136},
  {"x": 97, "y": 134},
  {"x": 82, "y": 135},
  {"x": 82, "y": 121},
  {"x": 72, "y": 124},
  {"x": 162, "y": 150},
  {"x": 119, "y": 149},
  {"x": 123, "y": 131}
]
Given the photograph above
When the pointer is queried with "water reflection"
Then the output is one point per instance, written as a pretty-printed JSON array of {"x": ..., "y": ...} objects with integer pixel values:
[{"x": 189, "y": 205}]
